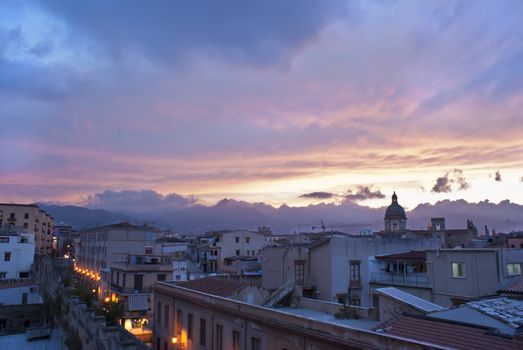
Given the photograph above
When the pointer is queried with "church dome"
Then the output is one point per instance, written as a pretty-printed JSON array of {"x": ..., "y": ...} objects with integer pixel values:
[{"x": 394, "y": 210}]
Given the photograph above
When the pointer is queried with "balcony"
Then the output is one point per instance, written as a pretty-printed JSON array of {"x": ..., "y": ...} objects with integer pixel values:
[{"x": 408, "y": 280}]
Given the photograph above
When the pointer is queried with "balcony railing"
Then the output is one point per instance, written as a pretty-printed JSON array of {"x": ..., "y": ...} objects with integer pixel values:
[{"x": 411, "y": 279}]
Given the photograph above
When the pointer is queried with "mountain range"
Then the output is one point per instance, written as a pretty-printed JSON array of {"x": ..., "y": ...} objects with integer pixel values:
[{"x": 347, "y": 217}]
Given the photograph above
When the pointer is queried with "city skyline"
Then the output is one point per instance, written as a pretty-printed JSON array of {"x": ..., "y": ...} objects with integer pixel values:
[{"x": 262, "y": 102}]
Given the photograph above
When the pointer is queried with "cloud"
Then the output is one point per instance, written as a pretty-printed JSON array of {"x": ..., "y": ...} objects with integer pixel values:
[
  {"x": 497, "y": 176},
  {"x": 138, "y": 201},
  {"x": 363, "y": 193},
  {"x": 259, "y": 32},
  {"x": 444, "y": 183},
  {"x": 318, "y": 195},
  {"x": 459, "y": 179}
]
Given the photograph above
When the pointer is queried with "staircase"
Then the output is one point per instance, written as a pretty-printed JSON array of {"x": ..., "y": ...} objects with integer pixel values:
[{"x": 280, "y": 293}]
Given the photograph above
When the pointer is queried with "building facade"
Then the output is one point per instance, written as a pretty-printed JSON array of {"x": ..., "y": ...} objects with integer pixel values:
[
  {"x": 460, "y": 275},
  {"x": 30, "y": 218},
  {"x": 98, "y": 247}
]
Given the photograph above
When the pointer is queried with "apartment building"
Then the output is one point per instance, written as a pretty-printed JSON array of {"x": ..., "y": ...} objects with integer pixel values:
[
  {"x": 234, "y": 243},
  {"x": 130, "y": 280},
  {"x": 460, "y": 275},
  {"x": 17, "y": 251},
  {"x": 30, "y": 218},
  {"x": 98, "y": 247},
  {"x": 334, "y": 269}
]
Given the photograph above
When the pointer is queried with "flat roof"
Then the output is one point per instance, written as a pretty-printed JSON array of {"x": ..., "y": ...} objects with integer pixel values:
[{"x": 322, "y": 316}]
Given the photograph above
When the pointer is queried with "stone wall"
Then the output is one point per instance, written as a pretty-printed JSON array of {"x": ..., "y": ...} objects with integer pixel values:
[{"x": 93, "y": 332}]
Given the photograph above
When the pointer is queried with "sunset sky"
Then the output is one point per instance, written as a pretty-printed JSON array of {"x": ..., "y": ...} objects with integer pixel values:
[{"x": 264, "y": 101}]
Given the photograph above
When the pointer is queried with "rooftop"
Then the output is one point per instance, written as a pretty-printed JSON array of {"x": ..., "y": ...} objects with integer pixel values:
[
  {"x": 409, "y": 299},
  {"x": 513, "y": 287},
  {"x": 451, "y": 334},
  {"x": 22, "y": 342},
  {"x": 509, "y": 311},
  {"x": 329, "y": 318},
  {"x": 215, "y": 286}
]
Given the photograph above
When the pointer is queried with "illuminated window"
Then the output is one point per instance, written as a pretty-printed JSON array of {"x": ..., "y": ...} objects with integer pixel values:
[
  {"x": 458, "y": 270},
  {"x": 514, "y": 269}
]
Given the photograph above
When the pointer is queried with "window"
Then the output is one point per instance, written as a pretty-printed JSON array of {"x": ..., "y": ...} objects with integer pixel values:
[
  {"x": 189, "y": 326},
  {"x": 148, "y": 250},
  {"x": 166, "y": 317},
  {"x": 179, "y": 321},
  {"x": 354, "y": 270},
  {"x": 255, "y": 343},
  {"x": 24, "y": 298},
  {"x": 7, "y": 256},
  {"x": 235, "y": 340},
  {"x": 26, "y": 225},
  {"x": 161, "y": 277},
  {"x": 4, "y": 239},
  {"x": 26, "y": 216},
  {"x": 236, "y": 239},
  {"x": 24, "y": 239},
  {"x": 376, "y": 301},
  {"x": 458, "y": 270},
  {"x": 203, "y": 331},
  {"x": 159, "y": 311},
  {"x": 219, "y": 337},
  {"x": 3, "y": 275},
  {"x": 514, "y": 269},
  {"x": 237, "y": 252},
  {"x": 247, "y": 240},
  {"x": 24, "y": 275},
  {"x": 355, "y": 300},
  {"x": 138, "y": 283},
  {"x": 299, "y": 272}
]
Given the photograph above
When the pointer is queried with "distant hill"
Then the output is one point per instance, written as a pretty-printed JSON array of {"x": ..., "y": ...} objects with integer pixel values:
[{"x": 80, "y": 217}]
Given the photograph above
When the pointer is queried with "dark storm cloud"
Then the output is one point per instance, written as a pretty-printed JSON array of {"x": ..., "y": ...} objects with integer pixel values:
[
  {"x": 138, "y": 200},
  {"x": 246, "y": 31},
  {"x": 442, "y": 184},
  {"x": 318, "y": 195},
  {"x": 497, "y": 176},
  {"x": 455, "y": 177},
  {"x": 459, "y": 179},
  {"x": 363, "y": 193}
]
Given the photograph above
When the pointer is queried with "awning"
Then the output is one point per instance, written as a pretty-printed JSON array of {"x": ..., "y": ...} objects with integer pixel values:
[{"x": 138, "y": 302}]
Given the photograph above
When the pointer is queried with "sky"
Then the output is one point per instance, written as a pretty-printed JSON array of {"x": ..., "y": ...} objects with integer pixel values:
[{"x": 262, "y": 101}]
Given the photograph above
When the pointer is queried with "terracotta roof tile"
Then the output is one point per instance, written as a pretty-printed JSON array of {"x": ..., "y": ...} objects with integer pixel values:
[
  {"x": 451, "y": 334},
  {"x": 514, "y": 287}
]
